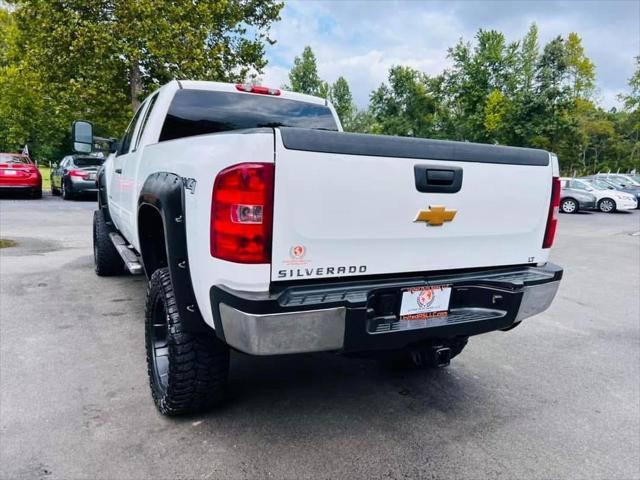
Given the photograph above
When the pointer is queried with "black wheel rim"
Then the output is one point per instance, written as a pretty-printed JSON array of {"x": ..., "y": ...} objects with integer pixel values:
[{"x": 160, "y": 344}]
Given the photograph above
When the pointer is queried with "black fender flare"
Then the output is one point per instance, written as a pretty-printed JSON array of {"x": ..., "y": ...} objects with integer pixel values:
[
  {"x": 164, "y": 192},
  {"x": 103, "y": 204}
]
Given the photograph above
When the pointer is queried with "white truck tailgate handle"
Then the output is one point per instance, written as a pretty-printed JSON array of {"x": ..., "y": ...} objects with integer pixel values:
[{"x": 434, "y": 179}]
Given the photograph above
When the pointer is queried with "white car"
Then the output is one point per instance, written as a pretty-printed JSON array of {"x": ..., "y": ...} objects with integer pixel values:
[
  {"x": 264, "y": 228},
  {"x": 608, "y": 200},
  {"x": 622, "y": 178}
]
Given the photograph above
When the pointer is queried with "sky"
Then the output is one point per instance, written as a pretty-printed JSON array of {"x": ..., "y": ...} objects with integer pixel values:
[{"x": 361, "y": 39}]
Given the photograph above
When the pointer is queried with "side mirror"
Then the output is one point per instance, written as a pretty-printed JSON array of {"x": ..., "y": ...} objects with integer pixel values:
[
  {"x": 82, "y": 136},
  {"x": 114, "y": 146}
]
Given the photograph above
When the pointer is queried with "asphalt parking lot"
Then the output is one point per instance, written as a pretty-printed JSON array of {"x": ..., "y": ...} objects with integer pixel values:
[{"x": 558, "y": 397}]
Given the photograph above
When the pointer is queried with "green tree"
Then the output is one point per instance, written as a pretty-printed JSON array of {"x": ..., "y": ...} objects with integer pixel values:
[
  {"x": 553, "y": 97},
  {"x": 341, "y": 98},
  {"x": 486, "y": 72},
  {"x": 495, "y": 111},
  {"x": 363, "y": 121},
  {"x": 303, "y": 76},
  {"x": 404, "y": 106},
  {"x": 528, "y": 57},
  {"x": 24, "y": 117},
  {"x": 632, "y": 99},
  {"x": 96, "y": 59},
  {"x": 581, "y": 70},
  {"x": 8, "y": 36},
  {"x": 628, "y": 122}
]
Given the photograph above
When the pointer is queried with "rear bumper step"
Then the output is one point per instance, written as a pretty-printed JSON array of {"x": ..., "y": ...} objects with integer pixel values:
[
  {"x": 131, "y": 260},
  {"x": 364, "y": 315}
]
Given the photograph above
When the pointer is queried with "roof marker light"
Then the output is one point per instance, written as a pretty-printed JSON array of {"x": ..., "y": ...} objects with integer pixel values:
[{"x": 249, "y": 88}]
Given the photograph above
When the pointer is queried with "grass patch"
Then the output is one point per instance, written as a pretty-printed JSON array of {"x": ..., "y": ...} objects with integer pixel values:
[
  {"x": 46, "y": 177},
  {"x": 6, "y": 243}
]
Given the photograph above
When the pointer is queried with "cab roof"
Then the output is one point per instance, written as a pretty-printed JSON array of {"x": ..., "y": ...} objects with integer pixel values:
[{"x": 231, "y": 87}]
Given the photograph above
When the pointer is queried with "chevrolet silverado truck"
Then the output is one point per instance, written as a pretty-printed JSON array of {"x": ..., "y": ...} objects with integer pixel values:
[{"x": 263, "y": 228}]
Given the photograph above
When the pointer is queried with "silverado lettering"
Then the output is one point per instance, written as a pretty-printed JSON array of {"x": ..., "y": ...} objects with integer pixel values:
[{"x": 320, "y": 271}]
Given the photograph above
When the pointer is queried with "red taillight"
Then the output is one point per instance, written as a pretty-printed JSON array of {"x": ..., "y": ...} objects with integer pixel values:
[
  {"x": 79, "y": 173},
  {"x": 552, "y": 218},
  {"x": 242, "y": 213},
  {"x": 257, "y": 89}
]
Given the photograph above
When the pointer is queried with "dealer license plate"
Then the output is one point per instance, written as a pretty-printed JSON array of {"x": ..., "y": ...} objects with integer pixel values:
[
  {"x": 92, "y": 176},
  {"x": 10, "y": 172},
  {"x": 421, "y": 303}
]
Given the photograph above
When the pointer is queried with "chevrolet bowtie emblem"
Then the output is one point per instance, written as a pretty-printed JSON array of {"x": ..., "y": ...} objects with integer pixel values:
[{"x": 436, "y": 215}]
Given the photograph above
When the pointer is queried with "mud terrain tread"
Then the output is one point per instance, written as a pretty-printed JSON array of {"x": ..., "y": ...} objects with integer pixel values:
[
  {"x": 198, "y": 365},
  {"x": 107, "y": 260}
]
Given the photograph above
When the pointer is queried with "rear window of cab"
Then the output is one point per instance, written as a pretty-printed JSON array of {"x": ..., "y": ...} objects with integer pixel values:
[
  {"x": 88, "y": 161},
  {"x": 199, "y": 112}
]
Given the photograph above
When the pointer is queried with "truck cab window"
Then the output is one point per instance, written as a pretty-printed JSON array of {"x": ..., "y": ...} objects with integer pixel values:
[
  {"x": 125, "y": 144},
  {"x": 199, "y": 112},
  {"x": 145, "y": 119}
]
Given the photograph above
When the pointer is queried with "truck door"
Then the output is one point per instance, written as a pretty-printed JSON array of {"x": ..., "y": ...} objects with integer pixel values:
[
  {"x": 129, "y": 175},
  {"x": 118, "y": 187}
]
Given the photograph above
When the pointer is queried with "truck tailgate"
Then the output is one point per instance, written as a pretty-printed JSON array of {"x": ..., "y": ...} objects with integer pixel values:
[{"x": 347, "y": 205}]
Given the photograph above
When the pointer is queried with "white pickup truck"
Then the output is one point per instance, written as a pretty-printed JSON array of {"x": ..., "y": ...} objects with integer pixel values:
[{"x": 263, "y": 227}]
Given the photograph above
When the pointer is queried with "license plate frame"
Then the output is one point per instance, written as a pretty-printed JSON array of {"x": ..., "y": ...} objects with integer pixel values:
[{"x": 423, "y": 303}]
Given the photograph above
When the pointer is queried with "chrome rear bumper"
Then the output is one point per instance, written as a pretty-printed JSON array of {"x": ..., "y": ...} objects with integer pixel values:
[
  {"x": 277, "y": 333},
  {"x": 536, "y": 299},
  {"x": 293, "y": 320}
]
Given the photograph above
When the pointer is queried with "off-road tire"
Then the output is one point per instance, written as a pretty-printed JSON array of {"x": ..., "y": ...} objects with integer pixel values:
[
  {"x": 107, "y": 260},
  {"x": 187, "y": 372}
]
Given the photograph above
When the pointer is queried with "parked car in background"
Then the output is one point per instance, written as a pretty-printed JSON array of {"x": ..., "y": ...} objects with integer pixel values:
[
  {"x": 608, "y": 200},
  {"x": 18, "y": 173},
  {"x": 628, "y": 201},
  {"x": 625, "y": 179},
  {"x": 75, "y": 175},
  {"x": 573, "y": 200},
  {"x": 619, "y": 185}
]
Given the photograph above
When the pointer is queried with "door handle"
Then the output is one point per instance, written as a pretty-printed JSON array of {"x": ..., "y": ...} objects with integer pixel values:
[
  {"x": 432, "y": 179},
  {"x": 118, "y": 170}
]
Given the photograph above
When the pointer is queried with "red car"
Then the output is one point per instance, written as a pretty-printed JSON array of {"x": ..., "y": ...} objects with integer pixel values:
[{"x": 18, "y": 173}]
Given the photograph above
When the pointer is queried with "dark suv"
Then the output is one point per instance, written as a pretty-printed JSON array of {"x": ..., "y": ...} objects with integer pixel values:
[{"x": 75, "y": 175}]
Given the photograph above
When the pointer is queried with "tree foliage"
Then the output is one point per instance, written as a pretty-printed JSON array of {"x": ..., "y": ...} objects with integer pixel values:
[
  {"x": 341, "y": 98},
  {"x": 96, "y": 59},
  {"x": 513, "y": 93},
  {"x": 405, "y": 106},
  {"x": 303, "y": 76}
]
